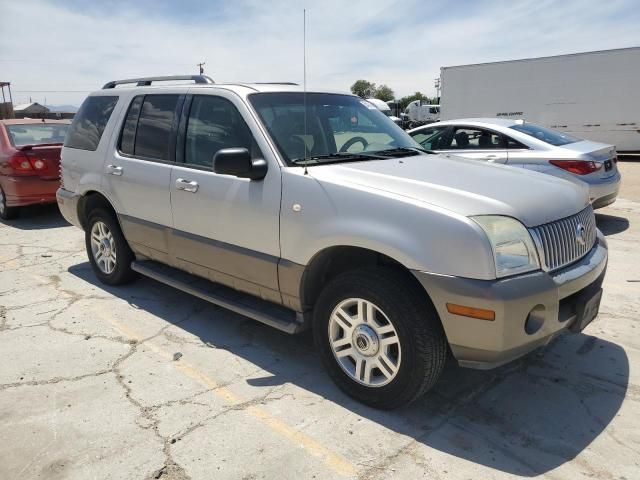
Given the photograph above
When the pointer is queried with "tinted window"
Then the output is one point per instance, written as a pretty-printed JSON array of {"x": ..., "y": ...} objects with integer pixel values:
[
  {"x": 513, "y": 144},
  {"x": 36, "y": 133},
  {"x": 430, "y": 137},
  {"x": 128, "y": 137},
  {"x": 474, "y": 139},
  {"x": 545, "y": 134},
  {"x": 88, "y": 124},
  {"x": 153, "y": 135},
  {"x": 214, "y": 123}
]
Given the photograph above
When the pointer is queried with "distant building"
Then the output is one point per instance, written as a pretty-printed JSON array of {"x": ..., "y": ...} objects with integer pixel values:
[{"x": 33, "y": 110}]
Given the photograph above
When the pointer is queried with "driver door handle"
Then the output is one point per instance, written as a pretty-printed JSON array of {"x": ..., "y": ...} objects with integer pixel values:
[
  {"x": 186, "y": 185},
  {"x": 491, "y": 158}
]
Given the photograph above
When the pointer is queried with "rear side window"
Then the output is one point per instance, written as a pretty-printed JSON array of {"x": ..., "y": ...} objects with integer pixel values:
[
  {"x": 153, "y": 134},
  {"x": 475, "y": 139},
  {"x": 514, "y": 144},
  {"x": 89, "y": 123}
]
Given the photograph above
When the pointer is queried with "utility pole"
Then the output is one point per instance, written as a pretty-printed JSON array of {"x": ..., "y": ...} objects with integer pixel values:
[{"x": 201, "y": 66}]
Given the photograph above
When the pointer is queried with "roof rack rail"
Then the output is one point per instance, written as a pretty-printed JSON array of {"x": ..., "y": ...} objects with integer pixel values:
[
  {"x": 145, "y": 81},
  {"x": 275, "y": 83}
]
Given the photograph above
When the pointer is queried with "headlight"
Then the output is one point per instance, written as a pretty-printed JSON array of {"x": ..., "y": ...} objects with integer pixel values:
[{"x": 513, "y": 248}]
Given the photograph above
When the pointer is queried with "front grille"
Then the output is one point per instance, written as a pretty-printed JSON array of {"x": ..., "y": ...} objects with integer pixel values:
[{"x": 560, "y": 242}]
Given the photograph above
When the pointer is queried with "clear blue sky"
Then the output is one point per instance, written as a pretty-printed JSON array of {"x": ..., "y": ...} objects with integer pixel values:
[{"x": 61, "y": 49}]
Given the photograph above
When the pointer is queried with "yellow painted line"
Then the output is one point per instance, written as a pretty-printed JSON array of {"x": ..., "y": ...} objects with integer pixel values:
[{"x": 334, "y": 461}]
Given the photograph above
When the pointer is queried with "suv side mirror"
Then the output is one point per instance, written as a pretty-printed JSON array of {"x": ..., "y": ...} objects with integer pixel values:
[{"x": 238, "y": 162}]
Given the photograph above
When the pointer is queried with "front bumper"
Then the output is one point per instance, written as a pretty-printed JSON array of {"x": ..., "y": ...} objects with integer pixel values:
[
  {"x": 68, "y": 204},
  {"x": 553, "y": 299},
  {"x": 29, "y": 190}
]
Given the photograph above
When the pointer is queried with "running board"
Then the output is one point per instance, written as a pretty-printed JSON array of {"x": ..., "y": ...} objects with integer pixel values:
[{"x": 269, "y": 313}]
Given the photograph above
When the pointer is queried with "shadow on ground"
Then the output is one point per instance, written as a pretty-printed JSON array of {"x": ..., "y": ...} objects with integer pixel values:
[
  {"x": 526, "y": 418},
  {"x": 611, "y": 224},
  {"x": 36, "y": 217}
]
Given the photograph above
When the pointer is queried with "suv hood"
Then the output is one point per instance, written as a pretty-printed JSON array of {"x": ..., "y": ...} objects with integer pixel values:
[{"x": 467, "y": 187}]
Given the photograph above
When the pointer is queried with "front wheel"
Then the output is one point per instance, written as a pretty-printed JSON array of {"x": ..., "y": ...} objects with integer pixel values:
[
  {"x": 108, "y": 251},
  {"x": 379, "y": 336}
]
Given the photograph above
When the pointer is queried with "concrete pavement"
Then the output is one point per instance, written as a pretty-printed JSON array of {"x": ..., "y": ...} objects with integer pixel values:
[{"x": 144, "y": 381}]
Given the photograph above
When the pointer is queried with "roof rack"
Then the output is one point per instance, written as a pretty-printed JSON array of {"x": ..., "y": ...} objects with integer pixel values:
[
  {"x": 274, "y": 83},
  {"x": 146, "y": 81}
]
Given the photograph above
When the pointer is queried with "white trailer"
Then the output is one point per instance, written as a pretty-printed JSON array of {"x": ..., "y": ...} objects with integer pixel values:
[{"x": 594, "y": 95}]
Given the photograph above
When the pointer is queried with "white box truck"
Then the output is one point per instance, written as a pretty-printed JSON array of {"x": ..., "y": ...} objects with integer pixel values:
[{"x": 594, "y": 95}]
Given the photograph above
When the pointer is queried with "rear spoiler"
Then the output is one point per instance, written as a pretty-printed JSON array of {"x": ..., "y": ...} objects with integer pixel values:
[{"x": 31, "y": 147}]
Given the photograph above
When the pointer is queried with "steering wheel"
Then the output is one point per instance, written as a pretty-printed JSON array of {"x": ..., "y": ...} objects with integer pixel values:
[{"x": 352, "y": 141}]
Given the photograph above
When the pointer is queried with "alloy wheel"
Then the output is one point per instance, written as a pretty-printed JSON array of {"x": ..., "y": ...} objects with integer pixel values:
[
  {"x": 103, "y": 247},
  {"x": 364, "y": 342}
]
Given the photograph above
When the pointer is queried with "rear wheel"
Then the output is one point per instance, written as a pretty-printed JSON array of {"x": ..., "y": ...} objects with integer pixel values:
[
  {"x": 379, "y": 337},
  {"x": 108, "y": 251},
  {"x": 7, "y": 213}
]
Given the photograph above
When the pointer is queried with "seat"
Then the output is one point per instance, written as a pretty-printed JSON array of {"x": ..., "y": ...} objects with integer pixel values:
[
  {"x": 288, "y": 130},
  {"x": 462, "y": 140},
  {"x": 484, "y": 141}
]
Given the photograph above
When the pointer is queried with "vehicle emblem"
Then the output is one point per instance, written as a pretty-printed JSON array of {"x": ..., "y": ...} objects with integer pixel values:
[{"x": 581, "y": 234}]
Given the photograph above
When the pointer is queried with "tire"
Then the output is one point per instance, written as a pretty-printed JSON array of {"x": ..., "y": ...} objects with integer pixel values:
[
  {"x": 113, "y": 266},
  {"x": 418, "y": 356},
  {"x": 7, "y": 213}
]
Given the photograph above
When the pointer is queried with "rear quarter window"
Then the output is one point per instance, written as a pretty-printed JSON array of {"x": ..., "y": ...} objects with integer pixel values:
[{"x": 89, "y": 123}]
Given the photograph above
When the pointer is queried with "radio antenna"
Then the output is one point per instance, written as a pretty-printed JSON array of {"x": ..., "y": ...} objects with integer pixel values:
[{"x": 304, "y": 83}]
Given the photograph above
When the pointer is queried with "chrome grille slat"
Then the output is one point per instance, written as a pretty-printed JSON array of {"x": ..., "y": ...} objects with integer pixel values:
[{"x": 558, "y": 239}]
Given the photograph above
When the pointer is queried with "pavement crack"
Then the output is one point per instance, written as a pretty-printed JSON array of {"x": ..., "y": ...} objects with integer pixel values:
[
  {"x": 3, "y": 318},
  {"x": 170, "y": 470},
  {"x": 54, "y": 380}
]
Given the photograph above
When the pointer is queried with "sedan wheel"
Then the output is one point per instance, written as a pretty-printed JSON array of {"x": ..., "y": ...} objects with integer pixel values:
[{"x": 6, "y": 213}]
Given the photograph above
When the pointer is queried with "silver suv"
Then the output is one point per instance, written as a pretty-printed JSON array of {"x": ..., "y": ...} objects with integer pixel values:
[{"x": 314, "y": 210}]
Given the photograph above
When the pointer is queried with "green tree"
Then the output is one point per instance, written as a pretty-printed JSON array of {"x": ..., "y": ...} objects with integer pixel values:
[
  {"x": 363, "y": 88},
  {"x": 404, "y": 101},
  {"x": 384, "y": 93}
]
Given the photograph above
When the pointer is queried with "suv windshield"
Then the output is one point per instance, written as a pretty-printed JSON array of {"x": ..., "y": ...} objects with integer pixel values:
[
  {"x": 338, "y": 128},
  {"x": 36, "y": 133},
  {"x": 547, "y": 135}
]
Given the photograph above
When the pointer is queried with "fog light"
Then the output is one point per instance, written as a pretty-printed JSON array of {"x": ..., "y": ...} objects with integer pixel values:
[{"x": 535, "y": 319}]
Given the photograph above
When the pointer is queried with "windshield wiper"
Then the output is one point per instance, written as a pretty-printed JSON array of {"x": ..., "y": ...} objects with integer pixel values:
[
  {"x": 400, "y": 151},
  {"x": 336, "y": 157}
]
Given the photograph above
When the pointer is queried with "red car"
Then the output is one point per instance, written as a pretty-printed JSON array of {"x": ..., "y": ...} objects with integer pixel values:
[{"x": 29, "y": 162}]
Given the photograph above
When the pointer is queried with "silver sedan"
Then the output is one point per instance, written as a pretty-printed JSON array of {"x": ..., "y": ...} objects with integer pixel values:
[{"x": 527, "y": 145}]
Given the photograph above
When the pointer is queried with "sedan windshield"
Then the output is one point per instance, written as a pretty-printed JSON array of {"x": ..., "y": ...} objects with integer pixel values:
[
  {"x": 547, "y": 135},
  {"x": 337, "y": 128}
]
